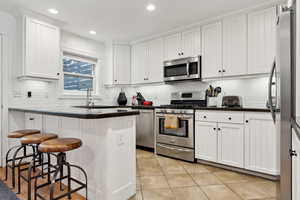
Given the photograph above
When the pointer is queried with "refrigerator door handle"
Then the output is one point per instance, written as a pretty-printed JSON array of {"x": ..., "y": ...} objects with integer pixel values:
[
  {"x": 296, "y": 128},
  {"x": 270, "y": 98}
]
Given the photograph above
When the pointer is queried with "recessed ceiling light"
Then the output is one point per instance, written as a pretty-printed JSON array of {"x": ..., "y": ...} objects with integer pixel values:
[
  {"x": 93, "y": 32},
  {"x": 151, "y": 7},
  {"x": 53, "y": 11}
]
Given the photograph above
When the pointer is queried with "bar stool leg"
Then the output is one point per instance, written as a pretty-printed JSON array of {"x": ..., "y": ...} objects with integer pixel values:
[
  {"x": 69, "y": 181},
  {"x": 14, "y": 166}
]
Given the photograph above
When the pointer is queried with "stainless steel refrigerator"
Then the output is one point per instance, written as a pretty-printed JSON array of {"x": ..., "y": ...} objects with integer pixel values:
[{"x": 282, "y": 92}]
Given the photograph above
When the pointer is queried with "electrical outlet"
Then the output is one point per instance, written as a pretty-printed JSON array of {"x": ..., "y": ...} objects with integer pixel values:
[
  {"x": 29, "y": 94},
  {"x": 120, "y": 140}
]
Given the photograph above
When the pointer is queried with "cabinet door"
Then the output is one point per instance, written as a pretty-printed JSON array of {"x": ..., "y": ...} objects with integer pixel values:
[
  {"x": 173, "y": 47},
  {"x": 156, "y": 53},
  {"x": 212, "y": 50},
  {"x": 261, "y": 41},
  {"x": 191, "y": 43},
  {"x": 261, "y": 144},
  {"x": 140, "y": 63},
  {"x": 231, "y": 144},
  {"x": 206, "y": 141},
  {"x": 122, "y": 64},
  {"x": 42, "y": 52},
  {"x": 33, "y": 121},
  {"x": 235, "y": 46},
  {"x": 52, "y": 124},
  {"x": 296, "y": 167}
]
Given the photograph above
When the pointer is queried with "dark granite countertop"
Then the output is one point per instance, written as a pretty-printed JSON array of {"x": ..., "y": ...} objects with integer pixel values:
[
  {"x": 81, "y": 113},
  {"x": 246, "y": 109},
  {"x": 116, "y": 106},
  {"x": 235, "y": 109}
]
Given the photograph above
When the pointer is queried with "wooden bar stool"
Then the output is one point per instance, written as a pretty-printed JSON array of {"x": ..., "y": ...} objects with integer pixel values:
[
  {"x": 61, "y": 146},
  {"x": 11, "y": 161},
  {"x": 35, "y": 140}
]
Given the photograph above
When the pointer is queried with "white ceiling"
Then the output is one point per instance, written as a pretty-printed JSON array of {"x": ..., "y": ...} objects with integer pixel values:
[{"x": 127, "y": 20}]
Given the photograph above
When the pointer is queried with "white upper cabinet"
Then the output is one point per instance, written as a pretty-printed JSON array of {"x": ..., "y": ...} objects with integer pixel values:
[
  {"x": 156, "y": 56},
  {"x": 191, "y": 43},
  {"x": 41, "y": 58},
  {"x": 173, "y": 47},
  {"x": 261, "y": 144},
  {"x": 121, "y": 64},
  {"x": 261, "y": 41},
  {"x": 235, "y": 46},
  {"x": 182, "y": 45},
  {"x": 140, "y": 65},
  {"x": 212, "y": 50},
  {"x": 147, "y": 66}
]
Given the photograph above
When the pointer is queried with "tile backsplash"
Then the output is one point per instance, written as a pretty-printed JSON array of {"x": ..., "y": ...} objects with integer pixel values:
[{"x": 252, "y": 90}]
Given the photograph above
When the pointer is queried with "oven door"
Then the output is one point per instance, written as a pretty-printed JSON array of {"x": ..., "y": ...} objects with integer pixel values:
[{"x": 183, "y": 136}]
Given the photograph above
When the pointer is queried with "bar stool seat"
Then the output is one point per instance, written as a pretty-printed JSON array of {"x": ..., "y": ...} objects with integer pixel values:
[
  {"x": 60, "y": 145},
  {"x": 38, "y": 138},
  {"x": 22, "y": 133}
]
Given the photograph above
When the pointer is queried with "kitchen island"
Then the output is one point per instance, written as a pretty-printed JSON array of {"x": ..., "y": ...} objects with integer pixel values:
[{"x": 108, "y": 151}]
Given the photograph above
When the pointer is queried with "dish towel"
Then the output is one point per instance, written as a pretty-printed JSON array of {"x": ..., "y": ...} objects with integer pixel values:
[{"x": 171, "y": 122}]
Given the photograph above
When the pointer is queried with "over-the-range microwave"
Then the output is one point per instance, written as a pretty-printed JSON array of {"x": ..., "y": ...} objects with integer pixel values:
[{"x": 183, "y": 69}]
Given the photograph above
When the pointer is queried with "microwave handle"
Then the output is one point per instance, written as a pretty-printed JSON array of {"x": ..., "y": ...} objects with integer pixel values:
[{"x": 188, "y": 69}]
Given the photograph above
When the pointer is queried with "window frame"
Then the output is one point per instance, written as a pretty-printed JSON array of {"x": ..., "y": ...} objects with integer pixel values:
[{"x": 84, "y": 57}]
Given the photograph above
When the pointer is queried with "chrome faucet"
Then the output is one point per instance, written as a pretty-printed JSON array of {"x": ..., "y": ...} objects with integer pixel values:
[{"x": 89, "y": 98}]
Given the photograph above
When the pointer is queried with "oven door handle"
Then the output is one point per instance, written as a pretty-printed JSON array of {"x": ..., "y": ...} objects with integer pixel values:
[
  {"x": 188, "y": 69},
  {"x": 177, "y": 149},
  {"x": 184, "y": 117}
]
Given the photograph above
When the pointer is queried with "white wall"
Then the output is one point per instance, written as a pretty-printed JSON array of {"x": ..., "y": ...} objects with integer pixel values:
[{"x": 7, "y": 30}]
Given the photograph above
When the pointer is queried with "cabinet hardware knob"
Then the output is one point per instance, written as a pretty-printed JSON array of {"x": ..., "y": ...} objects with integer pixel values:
[
  {"x": 247, "y": 121},
  {"x": 182, "y": 53},
  {"x": 219, "y": 129},
  {"x": 293, "y": 153},
  {"x": 179, "y": 54},
  {"x": 229, "y": 118},
  {"x": 214, "y": 129},
  {"x": 220, "y": 71},
  {"x": 224, "y": 70},
  {"x": 58, "y": 74},
  {"x": 204, "y": 117},
  {"x": 31, "y": 118}
]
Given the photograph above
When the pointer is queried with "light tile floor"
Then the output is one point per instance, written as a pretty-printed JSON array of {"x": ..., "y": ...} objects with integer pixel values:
[{"x": 161, "y": 178}]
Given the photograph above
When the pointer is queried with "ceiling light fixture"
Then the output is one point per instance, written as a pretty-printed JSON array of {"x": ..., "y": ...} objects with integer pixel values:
[
  {"x": 151, "y": 7},
  {"x": 93, "y": 32},
  {"x": 53, "y": 11}
]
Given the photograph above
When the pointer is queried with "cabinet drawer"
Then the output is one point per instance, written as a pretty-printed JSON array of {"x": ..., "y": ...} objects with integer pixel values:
[
  {"x": 33, "y": 121},
  {"x": 232, "y": 117},
  {"x": 219, "y": 116},
  {"x": 208, "y": 116}
]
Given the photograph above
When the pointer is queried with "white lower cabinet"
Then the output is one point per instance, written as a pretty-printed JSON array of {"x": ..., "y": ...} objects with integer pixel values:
[
  {"x": 33, "y": 121},
  {"x": 249, "y": 141},
  {"x": 261, "y": 144},
  {"x": 231, "y": 144},
  {"x": 296, "y": 167},
  {"x": 206, "y": 141}
]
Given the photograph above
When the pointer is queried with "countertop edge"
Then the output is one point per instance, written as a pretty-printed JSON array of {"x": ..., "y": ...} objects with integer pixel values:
[{"x": 78, "y": 115}]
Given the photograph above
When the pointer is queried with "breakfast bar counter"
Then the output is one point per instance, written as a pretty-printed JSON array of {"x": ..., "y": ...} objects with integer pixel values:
[{"x": 109, "y": 140}]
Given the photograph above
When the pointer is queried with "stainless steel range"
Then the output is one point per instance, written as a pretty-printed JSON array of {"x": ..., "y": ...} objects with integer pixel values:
[{"x": 178, "y": 142}]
